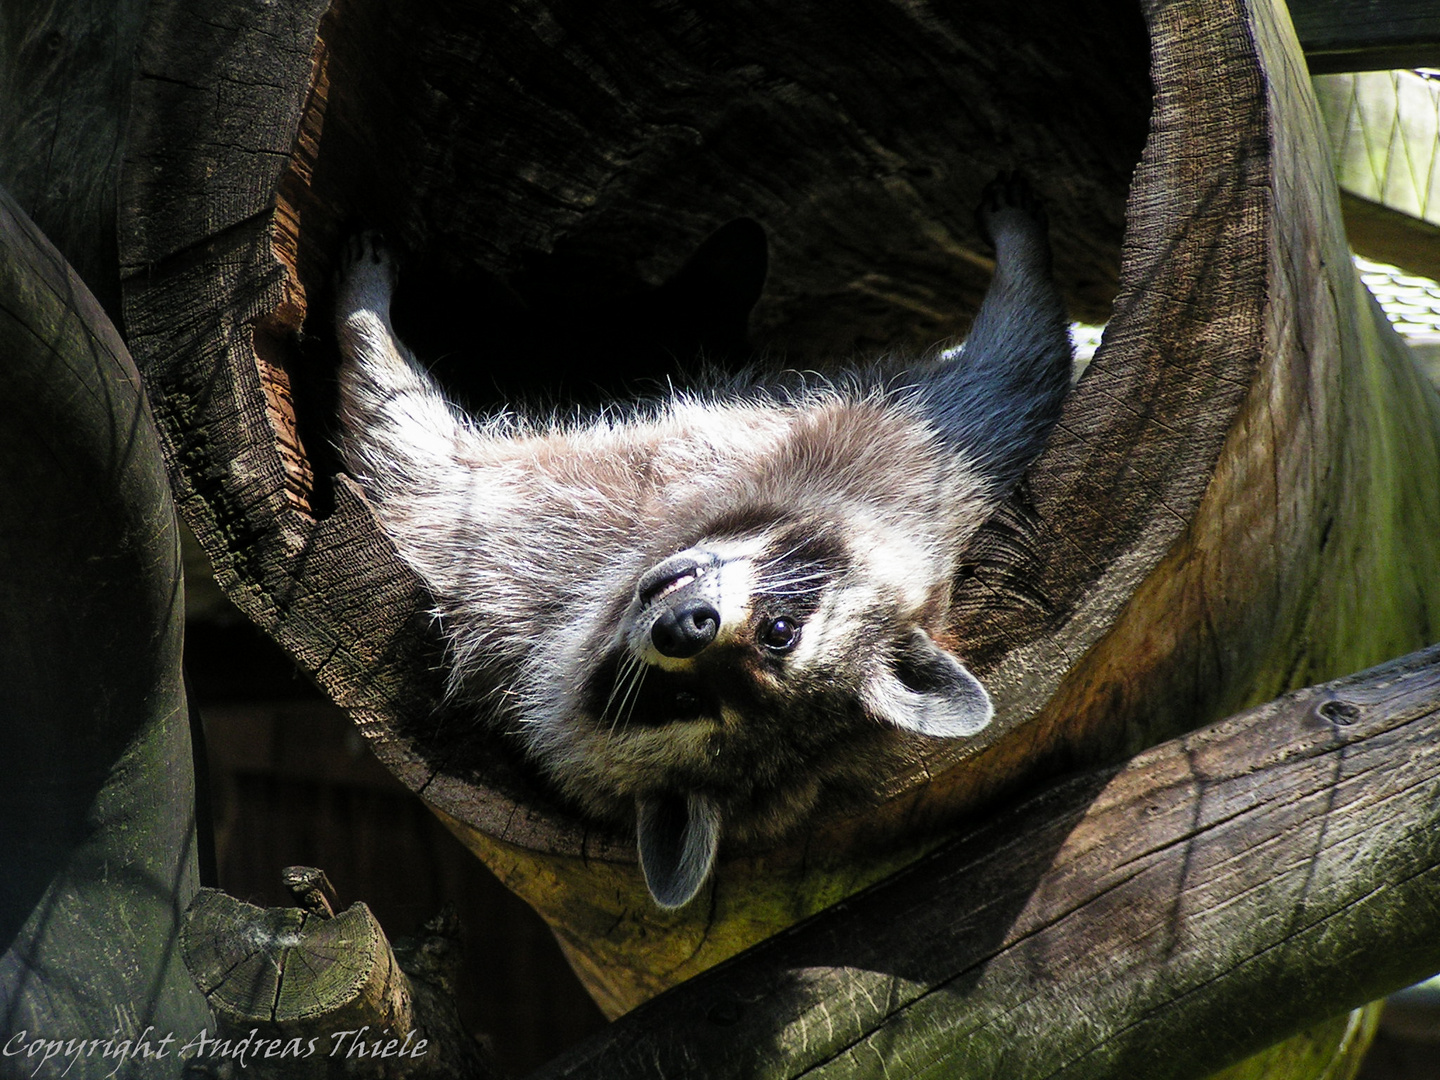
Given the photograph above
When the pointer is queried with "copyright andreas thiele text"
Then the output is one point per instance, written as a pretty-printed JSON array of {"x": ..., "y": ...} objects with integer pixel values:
[{"x": 57, "y": 1056}]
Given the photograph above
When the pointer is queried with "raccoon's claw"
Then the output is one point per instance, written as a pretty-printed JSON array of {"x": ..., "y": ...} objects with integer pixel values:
[
  {"x": 1009, "y": 203},
  {"x": 366, "y": 276}
]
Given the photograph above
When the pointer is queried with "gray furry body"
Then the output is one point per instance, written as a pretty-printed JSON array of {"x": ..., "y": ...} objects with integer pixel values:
[{"x": 700, "y": 614}]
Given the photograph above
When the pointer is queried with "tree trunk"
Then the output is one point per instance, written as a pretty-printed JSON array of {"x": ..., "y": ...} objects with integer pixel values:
[{"x": 1240, "y": 498}]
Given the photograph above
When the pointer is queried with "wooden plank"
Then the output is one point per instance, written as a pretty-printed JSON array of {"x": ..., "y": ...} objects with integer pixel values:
[
  {"x": 1367, "y": 35},
  {"x": 1214, "y": 895}
]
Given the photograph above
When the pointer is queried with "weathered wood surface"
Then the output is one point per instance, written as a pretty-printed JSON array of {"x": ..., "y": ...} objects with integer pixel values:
[
  {"x": 1212, "y": 896},
  {"x": 66, "y": 67},
  {"x": 97, "y": 810},
  {"x": 1240, "y": 499},
  {"x": 325, "y": 994},
  {"x": 1367, "y": 35}
]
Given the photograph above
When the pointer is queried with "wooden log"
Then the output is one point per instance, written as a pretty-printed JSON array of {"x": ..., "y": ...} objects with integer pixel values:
[
  {"x": 1160, "y": 920},
  {"x": 69, "y": 65},
  {"x": 1240, "y": 499},
  {"x": 300, "y": 993},
  {"x": 97, "y": 804},
  {"x": 1392, "y": 236}
]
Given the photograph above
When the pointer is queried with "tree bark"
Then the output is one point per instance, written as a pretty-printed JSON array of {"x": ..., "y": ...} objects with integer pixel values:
[{"x": 1240, "y": 498}]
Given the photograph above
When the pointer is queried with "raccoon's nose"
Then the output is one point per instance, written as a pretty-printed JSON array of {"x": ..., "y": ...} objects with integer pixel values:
[{"x": 683, "y": 630}]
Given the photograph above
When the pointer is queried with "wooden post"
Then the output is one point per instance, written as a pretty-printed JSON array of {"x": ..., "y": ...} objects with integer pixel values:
[{"x": 305, "y": 992}]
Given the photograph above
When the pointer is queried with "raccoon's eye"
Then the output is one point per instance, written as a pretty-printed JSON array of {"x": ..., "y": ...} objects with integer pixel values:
[{"x": 780, "y": 635}]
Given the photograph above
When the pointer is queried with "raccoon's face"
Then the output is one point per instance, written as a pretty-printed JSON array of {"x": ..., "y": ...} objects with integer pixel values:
[{"x": 744, "y": 667}]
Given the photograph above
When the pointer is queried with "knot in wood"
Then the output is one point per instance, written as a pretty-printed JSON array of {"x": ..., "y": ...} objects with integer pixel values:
[{"x": 1339, "y": 712}]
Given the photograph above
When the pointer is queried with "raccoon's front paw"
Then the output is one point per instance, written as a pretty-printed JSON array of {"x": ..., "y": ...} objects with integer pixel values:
[
  {"x": 365, "y": 279},
  {"x": 1009, "y": 205}
]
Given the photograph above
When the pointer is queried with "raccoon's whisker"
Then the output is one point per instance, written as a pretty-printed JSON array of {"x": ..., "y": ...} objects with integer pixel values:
[
  {"x": 779, "y": 558},
  {"x": 790, "y": 583},
  {"x": 622, "y": 676},
  {"x": 800, "y": 583},
  {"x": 632, "y": 696},
  {"x": 624, "y": 686}
]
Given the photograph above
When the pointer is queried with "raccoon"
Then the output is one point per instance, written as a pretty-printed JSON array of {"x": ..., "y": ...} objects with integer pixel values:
[{"x": 700, "y": 614}]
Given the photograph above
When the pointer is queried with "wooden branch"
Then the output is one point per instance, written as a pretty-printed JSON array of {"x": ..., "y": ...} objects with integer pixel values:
[
  {"x": 1213, "y": 896},
  {"x": 1367, "y": 35}
]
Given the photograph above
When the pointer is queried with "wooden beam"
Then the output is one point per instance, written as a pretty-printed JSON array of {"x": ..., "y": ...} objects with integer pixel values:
[
  {"x": 1391, "y": 236},
  {"x": 1212, "y": 896},
  {"x": 1367, "y": 35}
]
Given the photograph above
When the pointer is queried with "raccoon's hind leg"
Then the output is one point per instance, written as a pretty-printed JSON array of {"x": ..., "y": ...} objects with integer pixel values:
[
  {"x": 998, "y": 401},
  {"x": 396, "y": 425}
]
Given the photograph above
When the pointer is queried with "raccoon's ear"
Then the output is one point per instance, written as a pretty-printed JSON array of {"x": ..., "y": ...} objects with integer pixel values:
[
  {"x": 677, "y": 836},
  {"x": 926, "y": 690}
]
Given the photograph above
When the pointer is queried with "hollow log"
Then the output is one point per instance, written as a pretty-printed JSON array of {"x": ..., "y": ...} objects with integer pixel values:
[{"x": 1240, "y": 498}]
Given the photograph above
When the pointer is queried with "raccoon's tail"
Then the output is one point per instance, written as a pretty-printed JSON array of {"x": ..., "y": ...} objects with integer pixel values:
[{"x": 999, "y": 399}]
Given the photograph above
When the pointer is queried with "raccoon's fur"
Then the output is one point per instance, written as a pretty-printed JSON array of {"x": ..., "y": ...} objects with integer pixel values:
[{"x": 698, "y": 615}]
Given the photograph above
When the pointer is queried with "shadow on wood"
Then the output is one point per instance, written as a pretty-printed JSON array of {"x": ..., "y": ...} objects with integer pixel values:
[{"x": 97, "y": 807}]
